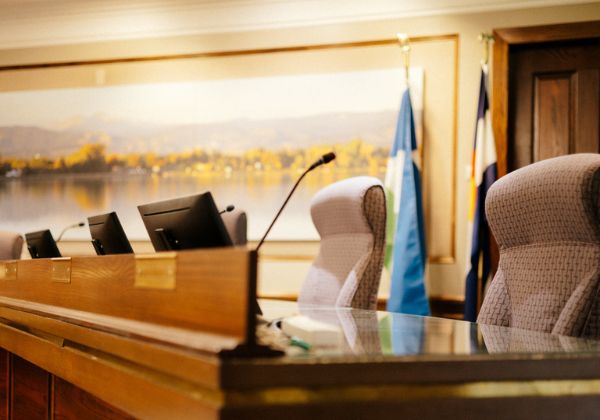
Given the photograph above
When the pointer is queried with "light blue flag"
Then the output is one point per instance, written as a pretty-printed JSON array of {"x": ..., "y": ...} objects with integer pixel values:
[{"x": 405, "y": 251}]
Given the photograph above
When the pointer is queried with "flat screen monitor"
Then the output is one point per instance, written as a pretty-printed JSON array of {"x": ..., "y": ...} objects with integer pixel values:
[
  {"x": 41, "y": 244},
  {"x": 185, "y": 223},
  {"x": 108, "y": 236}
]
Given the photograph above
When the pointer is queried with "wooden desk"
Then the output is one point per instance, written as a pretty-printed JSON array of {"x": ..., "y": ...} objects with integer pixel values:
[{"x": 75, "y": 363}]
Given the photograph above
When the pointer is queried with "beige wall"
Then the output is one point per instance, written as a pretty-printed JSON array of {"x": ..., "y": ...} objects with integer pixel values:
[{"x": 284, "y": 264}]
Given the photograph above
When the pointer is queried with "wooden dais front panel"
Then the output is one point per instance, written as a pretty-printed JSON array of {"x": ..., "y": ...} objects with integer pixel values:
[{"x": 211, "y": 292}]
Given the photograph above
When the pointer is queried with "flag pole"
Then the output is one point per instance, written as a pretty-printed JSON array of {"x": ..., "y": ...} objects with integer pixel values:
[
  {"x": 485, "y": 39},
  {"x": 405, "y": 48}
]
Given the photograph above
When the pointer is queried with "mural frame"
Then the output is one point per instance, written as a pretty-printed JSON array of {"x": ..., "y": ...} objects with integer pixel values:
[{"x": 454, "y": 38}]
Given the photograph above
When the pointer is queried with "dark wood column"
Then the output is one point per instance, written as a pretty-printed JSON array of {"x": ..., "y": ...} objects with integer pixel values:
[
  {"x": 71, "y": 402},
  {"x": 29, "y": 391},
  {"x": 4, "y": 384}
]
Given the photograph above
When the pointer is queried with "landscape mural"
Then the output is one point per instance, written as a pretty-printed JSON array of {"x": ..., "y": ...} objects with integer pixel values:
[{"x": 66, "y": 154}]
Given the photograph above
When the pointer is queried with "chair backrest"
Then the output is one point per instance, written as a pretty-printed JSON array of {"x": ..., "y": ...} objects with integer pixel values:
[
  {"x": 350, "y": 218},
  {"x": 545, "y": 218},
  {"x": 236, "y": 224},
  {"x": 11, "y": 245}
]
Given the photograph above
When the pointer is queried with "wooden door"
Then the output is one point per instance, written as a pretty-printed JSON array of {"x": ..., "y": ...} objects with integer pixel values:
[{"x": 546, "y": 92}]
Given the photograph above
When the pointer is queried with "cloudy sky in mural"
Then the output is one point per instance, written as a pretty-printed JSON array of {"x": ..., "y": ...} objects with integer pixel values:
[{"x": 209, "y": 101}]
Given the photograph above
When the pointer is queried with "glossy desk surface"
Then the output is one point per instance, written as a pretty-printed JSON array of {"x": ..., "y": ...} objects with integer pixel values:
[
  {"x": 384, "y": 348},
  {"x": 376, "y": 333}
]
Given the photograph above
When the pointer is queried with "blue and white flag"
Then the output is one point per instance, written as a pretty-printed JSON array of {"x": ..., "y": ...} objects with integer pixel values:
[
  {"x": 483, "y": 175},
  {"x": 405, "y": 247}
]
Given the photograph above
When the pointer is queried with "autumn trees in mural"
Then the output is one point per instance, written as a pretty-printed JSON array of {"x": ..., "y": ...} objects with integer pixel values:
[{"x": 93, "y": 158}]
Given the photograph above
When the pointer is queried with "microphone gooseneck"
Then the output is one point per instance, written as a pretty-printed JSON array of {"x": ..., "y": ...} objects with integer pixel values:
[
  {"x": 326, "y": 158},
  {"x": 74, "y": 225}
]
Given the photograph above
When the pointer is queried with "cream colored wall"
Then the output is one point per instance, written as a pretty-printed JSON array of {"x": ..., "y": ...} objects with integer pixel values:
[{"x": 284, "y": 264}]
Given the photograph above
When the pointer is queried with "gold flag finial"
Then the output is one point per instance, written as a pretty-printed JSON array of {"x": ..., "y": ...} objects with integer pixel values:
[
  {"x": 485, "y": 39},
  {"x": 404, "y": 43}
]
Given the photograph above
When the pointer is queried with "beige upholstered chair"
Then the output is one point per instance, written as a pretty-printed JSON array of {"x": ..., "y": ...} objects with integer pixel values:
[
  {"x": 236, "y": 224},
  {"x": 546, "y": 220},
  {"x": 11, "y": 245},
  {"x": 350, "y": 218}
]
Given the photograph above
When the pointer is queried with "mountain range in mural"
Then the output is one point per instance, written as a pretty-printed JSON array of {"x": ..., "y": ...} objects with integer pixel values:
[{"x": 235, "y": 136}]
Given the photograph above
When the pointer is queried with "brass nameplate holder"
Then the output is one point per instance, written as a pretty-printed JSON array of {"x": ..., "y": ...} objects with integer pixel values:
[
  {"x": 156, "y": 271},
  {"x": 8, "y": 270},
  {"x": 61, "y": 270}
]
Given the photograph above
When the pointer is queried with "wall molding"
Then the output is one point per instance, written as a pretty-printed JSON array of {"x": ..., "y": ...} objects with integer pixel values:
[
  {"x": 443, "y": 306},
  {"x": 229, "y": 53}
]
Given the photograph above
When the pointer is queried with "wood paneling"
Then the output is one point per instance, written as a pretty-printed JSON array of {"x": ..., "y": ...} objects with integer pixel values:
[
  {"x": 73, "y": 403},
  {"x": 499, "y": 105},
  {"x": 586, "y": 130},
  {"x": 193, "y": 367},
  {"x": 142, "y": 392},
  {"x": 30, "y": 387},
  {"x": 551, "y": 116},
  {"x": 211, "y": 294}
]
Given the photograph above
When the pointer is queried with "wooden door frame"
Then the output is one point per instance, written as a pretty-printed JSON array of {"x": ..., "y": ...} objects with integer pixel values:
[{"x": 504, "y": 39}]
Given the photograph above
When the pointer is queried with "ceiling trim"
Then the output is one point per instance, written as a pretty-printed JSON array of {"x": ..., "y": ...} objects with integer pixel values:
[{"x": 56, "y": 22}]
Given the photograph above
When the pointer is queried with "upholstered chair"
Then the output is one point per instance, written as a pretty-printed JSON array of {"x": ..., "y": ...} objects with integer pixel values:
[
  {"x": 350, "y": 218},
  {"x": 236, "y": 224},
  {"x": 11, "y": 245},
  {"x": 546, "y": 220}
]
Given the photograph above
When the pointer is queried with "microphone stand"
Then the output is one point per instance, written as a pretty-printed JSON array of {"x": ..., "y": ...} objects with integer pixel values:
[
  {"x": 80, "y": 224},
  {"x": 282, "y": 207},
  {"x": 324, "y": 160}
]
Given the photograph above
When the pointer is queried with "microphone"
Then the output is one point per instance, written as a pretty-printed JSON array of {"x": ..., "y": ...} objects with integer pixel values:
[
  {"x": 229, "y": 208},
  {"x": 326, "y": 158},
  {"x": 75, "y": 225}
]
